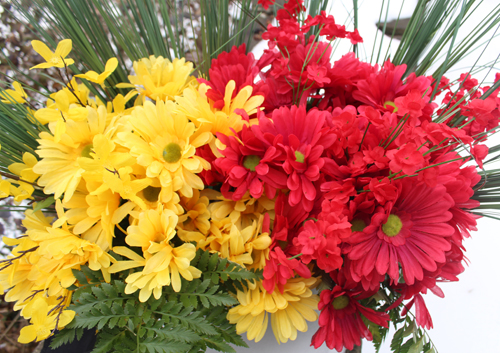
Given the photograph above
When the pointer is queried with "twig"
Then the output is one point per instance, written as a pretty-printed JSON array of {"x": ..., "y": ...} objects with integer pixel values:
[{"x": 10, "y": 326}]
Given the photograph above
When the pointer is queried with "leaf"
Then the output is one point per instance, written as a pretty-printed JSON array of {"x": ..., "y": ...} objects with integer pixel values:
[
  {"x": 417, "y": 347},
  {"x": 81, "y": 278},
  {"x": 63, "y": 337},
  {"x": 212, "y": 263},
  {"x": 44, "y": 204}
]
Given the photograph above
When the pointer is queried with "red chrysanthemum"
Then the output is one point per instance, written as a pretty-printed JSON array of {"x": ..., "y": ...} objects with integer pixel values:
[{"x": 414, "y": 233}]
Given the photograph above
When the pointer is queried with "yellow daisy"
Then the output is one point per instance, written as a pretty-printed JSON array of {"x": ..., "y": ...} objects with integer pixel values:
[
  {"x": 165, "y": 144},
  {"x": 196, "y": 106},
  {"x": 289, "y": 310},
  {"x": 159, "y": 78},
  {"x": 60, "y": 165}
]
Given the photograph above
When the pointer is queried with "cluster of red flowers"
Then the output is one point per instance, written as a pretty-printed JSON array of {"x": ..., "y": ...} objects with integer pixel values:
[{"x": 369, "y": 189}]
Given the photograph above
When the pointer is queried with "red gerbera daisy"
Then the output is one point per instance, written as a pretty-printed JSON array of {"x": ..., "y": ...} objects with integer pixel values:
[{"x": 415, "y": 233}]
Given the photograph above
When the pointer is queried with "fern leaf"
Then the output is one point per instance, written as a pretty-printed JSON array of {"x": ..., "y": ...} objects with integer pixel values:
[{"x": 153, "y": 345}]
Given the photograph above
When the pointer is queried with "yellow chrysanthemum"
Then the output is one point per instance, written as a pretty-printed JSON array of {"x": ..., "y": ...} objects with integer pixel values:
[
  {"x": 154, "y": 226},
  {"x": 94, "y": 216},
  {"x": 165, "y": 144},
  {"x": 60, "y": 251},
  {"x": 159, "y": 78},
  {"x": 196, "y": 216},
  {"x": 247, "y": 246},
  {"x": 289, "y": 310},
  {"x": 162, "y": 263},
  {"x": 247, "y": 208}
]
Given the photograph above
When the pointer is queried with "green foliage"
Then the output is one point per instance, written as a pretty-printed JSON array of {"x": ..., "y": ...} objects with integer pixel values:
[
  {"x": 18, "y": 132},
  {"x": 409, "y": 338},
  {"x": 218, "y": 270},
  {"x": 192, "y": 319},
  {"x": 218, "y": 34}
]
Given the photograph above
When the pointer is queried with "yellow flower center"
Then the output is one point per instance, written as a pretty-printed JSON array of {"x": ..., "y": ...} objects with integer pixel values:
[
  {"x": 393, "y": 225},
  {"x": 54, "y": 60},
  {"x": 172, "y": 152},
  {"x": 340, "y": 302},
  {"x": 299, "y": 157},
  {"x": 151, "y": 193},
  {"x": 250, "y": 162},
  {"x": 86, "y": 150},
  {"x": 358, "y": 225}
]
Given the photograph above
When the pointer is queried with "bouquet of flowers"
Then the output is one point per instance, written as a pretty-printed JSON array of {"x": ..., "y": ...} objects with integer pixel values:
[{"x": 173, "y": 213}]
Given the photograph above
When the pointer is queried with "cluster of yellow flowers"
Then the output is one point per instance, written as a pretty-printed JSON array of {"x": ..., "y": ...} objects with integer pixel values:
[{"x": 129, "y": 168}]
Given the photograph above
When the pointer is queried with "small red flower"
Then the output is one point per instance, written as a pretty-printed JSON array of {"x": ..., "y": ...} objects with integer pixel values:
[
  {"x": 411, "y": 104},
  {"x": 279, "y": 269},
  {"x": 266, "y": 3},
  {"x": 407, "y": 158}
]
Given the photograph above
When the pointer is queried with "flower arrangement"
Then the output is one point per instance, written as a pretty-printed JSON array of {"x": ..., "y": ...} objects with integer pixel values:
[{"x": 176, "y": 213}]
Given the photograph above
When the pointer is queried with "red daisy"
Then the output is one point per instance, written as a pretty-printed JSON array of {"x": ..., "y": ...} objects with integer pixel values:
[
  {"x": 237, "y": 66},
  {"x": 303, "y": 139},
  {"x": 249, "y": 165},
  {"x": 340, "y": 321}
]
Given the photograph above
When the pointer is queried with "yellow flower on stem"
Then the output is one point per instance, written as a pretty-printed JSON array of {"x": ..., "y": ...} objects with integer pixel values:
[
  {"x": 53, "y": 59},
  {"x": 25, "y": 169},
  {"x": 93, "y": 76},
  {"x": 62, "y": 110},
  {"x": 18, "y": 95},
  {"x": 43, "y": 321}
]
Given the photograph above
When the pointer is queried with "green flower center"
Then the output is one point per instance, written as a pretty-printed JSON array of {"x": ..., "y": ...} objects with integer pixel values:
[
  {"x": 151, "y": 193},
  {"x": 358, "y": 225},
  {"x": 172, "y": 152},
  {"x": 393, "y": 225},
  {"x": 299, "y": 157},
  {"x": 86, "y": 150},
  {"x": 251, "y": 161},
  {"x": 391, "y": 104},
  {"x": 341, "y": 302}
]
